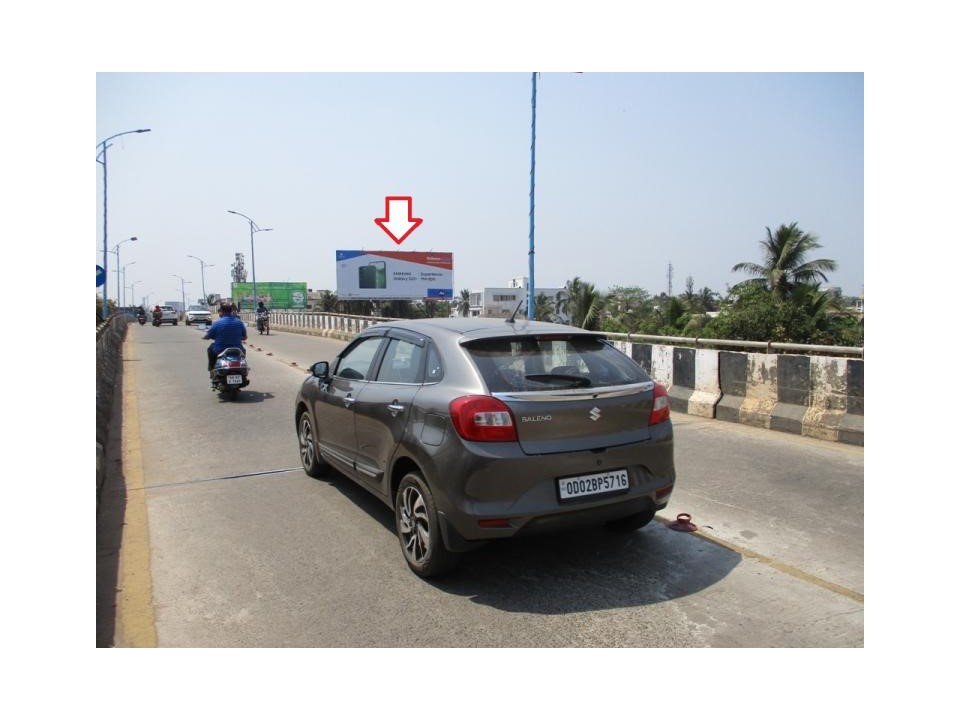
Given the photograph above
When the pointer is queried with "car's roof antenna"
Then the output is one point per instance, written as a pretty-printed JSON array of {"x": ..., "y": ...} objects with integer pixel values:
[{"x": 512, "y": 319}]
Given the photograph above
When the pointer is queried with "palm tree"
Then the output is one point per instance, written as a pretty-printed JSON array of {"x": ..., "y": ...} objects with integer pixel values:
[
  {"x": 463, "y": 303},
  {"x": 581, "y": 302},
  {"x": 543, "y": 307},
  {"x": 785, "y": 265}
]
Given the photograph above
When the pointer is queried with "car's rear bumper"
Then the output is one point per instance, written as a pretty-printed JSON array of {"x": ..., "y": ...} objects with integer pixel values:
[
  {"x": 486, "y": 493},
  {"x": 544, "y": 524}
]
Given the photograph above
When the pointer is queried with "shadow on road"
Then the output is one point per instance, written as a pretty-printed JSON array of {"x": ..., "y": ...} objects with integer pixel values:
[
  {"x": 248, "y": 396},
  {"x": 590, "y": 569}
]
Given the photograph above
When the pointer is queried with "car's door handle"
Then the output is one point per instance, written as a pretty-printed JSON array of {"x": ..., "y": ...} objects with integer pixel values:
[
  {"x": 395, "y": 408},
  {"x": 348, "y": 401}
]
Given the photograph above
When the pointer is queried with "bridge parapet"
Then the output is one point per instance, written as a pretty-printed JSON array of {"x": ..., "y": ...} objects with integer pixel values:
[{"x": 811, "y": 390}]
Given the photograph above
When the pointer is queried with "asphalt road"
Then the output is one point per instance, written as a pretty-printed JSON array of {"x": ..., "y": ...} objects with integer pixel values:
[{"x": 229, "y": 544}]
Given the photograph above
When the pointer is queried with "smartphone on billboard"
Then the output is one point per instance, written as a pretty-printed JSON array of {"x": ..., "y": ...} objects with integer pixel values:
[{"x": 373, "y": 276}]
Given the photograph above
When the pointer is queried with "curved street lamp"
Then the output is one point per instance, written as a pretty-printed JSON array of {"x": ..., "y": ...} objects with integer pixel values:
[
  {"x": 253, "y": 263},
  {"x": 203, "y": 284},
  {"x": 103, "y": 151}
]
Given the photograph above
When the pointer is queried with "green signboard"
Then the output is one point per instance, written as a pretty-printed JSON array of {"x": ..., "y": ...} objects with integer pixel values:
[{"x": 275, "y": 295}]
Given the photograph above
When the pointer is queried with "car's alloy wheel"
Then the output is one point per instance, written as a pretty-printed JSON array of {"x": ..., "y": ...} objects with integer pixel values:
[
  {"x": 418, "y": 529},
  {"x": 309, "y": 457}
]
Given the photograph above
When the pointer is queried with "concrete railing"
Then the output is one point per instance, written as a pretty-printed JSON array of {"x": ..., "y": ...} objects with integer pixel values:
[
  {"x": 342, "y": 327},
  {"x": 813, "y": 390},
  {"x": 815, "y": 395},
  {"x": 110, "y": 337}
]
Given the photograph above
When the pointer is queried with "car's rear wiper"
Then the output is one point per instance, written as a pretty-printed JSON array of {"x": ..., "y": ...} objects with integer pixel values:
[{"x": 574, "y": 380}]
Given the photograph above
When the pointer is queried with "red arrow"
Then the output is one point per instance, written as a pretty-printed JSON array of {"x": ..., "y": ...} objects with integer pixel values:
[{"x": 399, "y": 222}]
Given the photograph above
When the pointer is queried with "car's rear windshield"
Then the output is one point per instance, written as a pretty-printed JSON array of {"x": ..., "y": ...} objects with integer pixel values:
[{"x": 552, "y": 362}]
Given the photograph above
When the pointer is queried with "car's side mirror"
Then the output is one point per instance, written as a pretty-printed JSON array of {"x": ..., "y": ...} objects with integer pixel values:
[{"x": 321, "y": 370}]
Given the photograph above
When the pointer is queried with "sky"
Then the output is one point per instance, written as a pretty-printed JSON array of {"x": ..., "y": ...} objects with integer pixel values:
[{"x": 636, "y": 173}]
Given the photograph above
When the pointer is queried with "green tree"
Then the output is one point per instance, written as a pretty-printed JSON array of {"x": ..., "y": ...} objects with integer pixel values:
[
  {"x": 628, "y": 310},
  {"x": 328, "y": 301},
  {"x": 708, "y": 300},
  {"x": 543, "y": 307},
  {"x": 111, "y": 307},
  {"x": 751, "y": 312},
  {"x": 432, "y": 309},
  {"x": 355, "y": 307},
  {"x": 462, "y": 304},
  {"x": 785, "y": 264},
  {"x": 808, "y": 316},
  {"x": 701, "y": 301},
  {"x": 400, "y": 309},
  {"x": 582, "y": 302}
]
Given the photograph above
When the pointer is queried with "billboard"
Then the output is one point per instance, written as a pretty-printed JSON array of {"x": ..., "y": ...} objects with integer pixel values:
[
  {"x": 385, "y": 275},
  {"x": 275, "y": 295}
]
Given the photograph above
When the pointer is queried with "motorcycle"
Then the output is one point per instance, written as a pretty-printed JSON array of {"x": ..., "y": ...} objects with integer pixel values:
[
  {"x": 229, "y": 373},
  {"x": 156, "y": 318},
  {"x": 142, "y": 319},
  {"x": 263, "y": 323}
]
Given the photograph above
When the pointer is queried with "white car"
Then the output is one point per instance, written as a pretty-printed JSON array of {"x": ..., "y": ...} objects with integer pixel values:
[{"x": 197, "y": 314}]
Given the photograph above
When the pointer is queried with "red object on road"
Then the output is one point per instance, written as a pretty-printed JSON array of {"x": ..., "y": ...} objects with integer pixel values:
[{"x": 683, "y": 524}]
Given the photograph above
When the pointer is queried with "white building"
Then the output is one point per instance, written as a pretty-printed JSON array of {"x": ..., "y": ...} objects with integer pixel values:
[{"x": 503, "y": 301}]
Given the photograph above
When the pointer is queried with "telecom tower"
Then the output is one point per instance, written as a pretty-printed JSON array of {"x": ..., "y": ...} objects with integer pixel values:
[{"x": 237, "y": 271}]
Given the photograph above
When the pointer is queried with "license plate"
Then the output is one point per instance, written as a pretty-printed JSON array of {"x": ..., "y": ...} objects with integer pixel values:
[
  {"x": 234, "y": 379},
  {"x": 601, "y": 483}
]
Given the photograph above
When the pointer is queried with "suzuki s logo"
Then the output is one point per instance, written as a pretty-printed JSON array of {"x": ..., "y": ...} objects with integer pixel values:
[{"x": 595, "y": 414}]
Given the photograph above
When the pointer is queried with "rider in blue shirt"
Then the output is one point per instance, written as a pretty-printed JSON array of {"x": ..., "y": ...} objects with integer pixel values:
[{"x": 228, "y": 331}]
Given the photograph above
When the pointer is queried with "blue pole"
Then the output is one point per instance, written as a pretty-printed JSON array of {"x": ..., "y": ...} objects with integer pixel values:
[
  {"x": 533, "y": 167},
  {"x": 104, "y": 313}
]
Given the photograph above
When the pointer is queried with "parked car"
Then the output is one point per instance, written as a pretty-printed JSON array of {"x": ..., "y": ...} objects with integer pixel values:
[
  {"x": 197, "y": 314},
  {"x": 475, "y": 429}
]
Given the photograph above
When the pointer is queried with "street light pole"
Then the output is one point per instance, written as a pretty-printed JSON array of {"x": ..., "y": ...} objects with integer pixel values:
[
  {"x": 132, "y": 286},
  {"x": 253, "y": 263},
  {"x": 125, "y": 283},
  {"x": 183, "y": 293},
  {"x": 203, "y": 283},
  {"x": 116, "y": 251},
  {"x": 103, "y": 151}
]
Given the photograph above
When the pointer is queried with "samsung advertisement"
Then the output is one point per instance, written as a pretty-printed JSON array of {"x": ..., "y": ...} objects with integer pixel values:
[{"x": 384, "y": 275}]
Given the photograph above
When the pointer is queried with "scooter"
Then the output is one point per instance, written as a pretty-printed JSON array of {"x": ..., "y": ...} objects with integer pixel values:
[
  {"x": 156, "y": 318},
  {"x": 229, "y": 373},
  {"x": 142, "y": 319}
]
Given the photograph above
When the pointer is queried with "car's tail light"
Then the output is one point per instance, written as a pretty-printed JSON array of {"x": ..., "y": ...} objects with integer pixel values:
[
  {"x": 482, "y": 418},
  {"x": 661, "y": 405}
]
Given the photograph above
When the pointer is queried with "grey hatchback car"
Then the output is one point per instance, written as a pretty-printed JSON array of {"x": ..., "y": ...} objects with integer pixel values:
[{"x": 474, "y": 430}]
